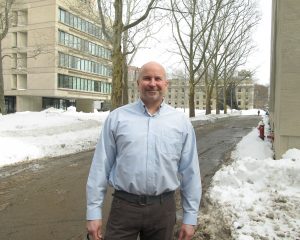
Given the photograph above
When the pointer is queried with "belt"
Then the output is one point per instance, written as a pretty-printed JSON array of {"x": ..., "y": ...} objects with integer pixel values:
[{"x": 142, "y": 200}]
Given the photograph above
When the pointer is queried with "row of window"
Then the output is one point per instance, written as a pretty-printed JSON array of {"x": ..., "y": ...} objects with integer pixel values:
[
  {"x": 83, "y": 45},
  {"x": 83, "y": 84},
  {"x": 80, "y": 24},
  {"x": 69, "y": 61}
]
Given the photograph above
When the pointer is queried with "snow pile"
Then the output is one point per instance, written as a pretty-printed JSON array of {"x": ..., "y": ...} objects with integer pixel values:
[
  {"x": 259, "y": 197},
  {"x": 50, "y": 133}
]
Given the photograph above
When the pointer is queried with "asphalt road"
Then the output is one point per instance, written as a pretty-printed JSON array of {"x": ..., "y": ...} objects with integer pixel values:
[{"x": 45, "y": 199}]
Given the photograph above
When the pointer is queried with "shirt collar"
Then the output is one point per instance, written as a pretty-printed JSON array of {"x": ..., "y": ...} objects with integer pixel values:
[{"x": 144, "y": 109}]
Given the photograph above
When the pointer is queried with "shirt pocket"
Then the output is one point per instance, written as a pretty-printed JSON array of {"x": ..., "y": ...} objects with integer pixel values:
[{"x": 170, "y": 142}]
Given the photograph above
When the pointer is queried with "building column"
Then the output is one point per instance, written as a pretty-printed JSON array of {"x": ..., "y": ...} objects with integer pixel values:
[
  {"x": 28, "y": 103},
  {"x": 84, "y": 105}
]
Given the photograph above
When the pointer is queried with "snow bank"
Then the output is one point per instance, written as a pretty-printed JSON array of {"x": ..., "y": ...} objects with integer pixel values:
[
  {"x": 52, "y": 132},
  {"x": 259, "y": 197}
]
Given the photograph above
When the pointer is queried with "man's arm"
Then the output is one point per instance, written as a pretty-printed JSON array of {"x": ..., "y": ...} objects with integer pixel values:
[
  {"x": 102, "y": 163},
  {"x": 189, "y": 171}
]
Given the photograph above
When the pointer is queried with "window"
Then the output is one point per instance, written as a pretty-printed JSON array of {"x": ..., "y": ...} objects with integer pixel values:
[
  {"x": 70, "y": 61},
  {"x": 62, "y": 15},
  {"x": 67, "y": 18},
  {"x": 80, "y": 24}
]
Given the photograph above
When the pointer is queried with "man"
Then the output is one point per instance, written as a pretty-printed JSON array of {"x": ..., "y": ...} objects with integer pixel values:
[{"x": 146, "y": 150}]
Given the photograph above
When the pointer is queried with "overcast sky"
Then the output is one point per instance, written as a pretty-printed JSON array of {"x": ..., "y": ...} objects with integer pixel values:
[{"x": 259, "y": 60}]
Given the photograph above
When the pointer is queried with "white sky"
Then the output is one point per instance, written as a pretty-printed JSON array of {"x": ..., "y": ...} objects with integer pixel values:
[
  {"x": 259, "y": 61},
  {"x": 258, "y": 197}
]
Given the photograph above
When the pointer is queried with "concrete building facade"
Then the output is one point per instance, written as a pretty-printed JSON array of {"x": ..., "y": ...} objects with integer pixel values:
[
  {"x": 285, "y": 84},
  {"x": 58, "y": 57}
]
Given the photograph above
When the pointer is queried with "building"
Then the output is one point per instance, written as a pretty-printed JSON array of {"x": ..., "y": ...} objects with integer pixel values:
[
  {"x": 177, "y": 96},
  {"x": 58, "y": 57},
  {"x": 285, "y": 85},
  {"x": 261, "y": 96}
]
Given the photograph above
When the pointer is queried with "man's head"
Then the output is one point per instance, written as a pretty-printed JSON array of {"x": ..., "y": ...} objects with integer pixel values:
[{"x": 152, "y": 83}]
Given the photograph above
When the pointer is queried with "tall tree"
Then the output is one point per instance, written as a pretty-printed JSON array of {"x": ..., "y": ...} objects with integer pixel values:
[
  {"x": 192, "y": 24},
  {"x": 5, "y": 17},
  {"x": 230, "y": 47},
  {"x": 114, "y": 33},
  {"x": 242, "y": 17},
  {"x": 135, "y": 38}
]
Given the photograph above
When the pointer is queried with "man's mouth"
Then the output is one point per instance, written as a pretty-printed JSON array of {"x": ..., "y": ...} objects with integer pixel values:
[{"x": 152, "y": 91}]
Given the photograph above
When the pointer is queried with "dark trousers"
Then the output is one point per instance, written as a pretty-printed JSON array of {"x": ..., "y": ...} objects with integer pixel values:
[{"x": 152, "y": 222}]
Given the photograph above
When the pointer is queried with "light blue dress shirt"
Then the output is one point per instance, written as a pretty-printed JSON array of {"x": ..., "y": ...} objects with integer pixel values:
[{"x": 146, "y": 154}]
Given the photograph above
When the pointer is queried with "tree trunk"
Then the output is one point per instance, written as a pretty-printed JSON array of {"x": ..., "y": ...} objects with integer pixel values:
[
  {"x": 207, "y": 103},
  {"x": 207, "y": 93},
  {"x": 2, "y": 99},
  {"x": 217, "y": 97},
  {"x": 125, "y": 82},
  {"x": 225, "y": 99},
  {"x": 125, "y": 66},
  {"x": 117, "y": 58},
  {"x": 192, "y": 99}
]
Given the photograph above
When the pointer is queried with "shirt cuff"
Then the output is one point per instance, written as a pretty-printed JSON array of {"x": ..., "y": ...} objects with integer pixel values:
[
  {"x": 94, "y": 214},
  {"x": 190, "y": 218}
]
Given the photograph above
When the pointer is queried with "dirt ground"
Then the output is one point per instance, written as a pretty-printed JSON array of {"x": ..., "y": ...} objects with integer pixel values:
[{"x": 44, "y": 199}]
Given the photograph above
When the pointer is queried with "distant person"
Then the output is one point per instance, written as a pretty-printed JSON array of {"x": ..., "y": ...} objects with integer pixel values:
[
  {"x": 267, "y": 113},
  {"x": 146, "y": 151},
  {"x": 258, "y": 112}
]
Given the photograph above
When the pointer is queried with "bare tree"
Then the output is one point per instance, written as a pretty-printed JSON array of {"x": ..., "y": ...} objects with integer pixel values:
[
  {"x": 5, "y": 17},
  {"x": 115, "y": 36},
  {"x": 241, "y": 18},
  {"x": 134, "y": 39},
  {"x": 230, "y": 47},
  {"x": 192, "y": 25}
]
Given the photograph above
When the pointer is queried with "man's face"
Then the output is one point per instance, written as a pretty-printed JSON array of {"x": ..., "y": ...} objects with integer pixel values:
[{"x": 152, "y": 83}]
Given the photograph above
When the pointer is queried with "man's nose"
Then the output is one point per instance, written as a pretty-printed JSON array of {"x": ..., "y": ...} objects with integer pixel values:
[{"x": 152, "y": 82}]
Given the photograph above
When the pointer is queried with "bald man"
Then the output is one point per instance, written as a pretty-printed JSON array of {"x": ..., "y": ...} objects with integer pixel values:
[{"x": 146, "y": 151}]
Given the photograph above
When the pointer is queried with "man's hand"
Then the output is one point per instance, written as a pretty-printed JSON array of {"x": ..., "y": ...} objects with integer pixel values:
[
  {"x": 94, "y": 229},
  {"x": 186, "y": 232}
]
